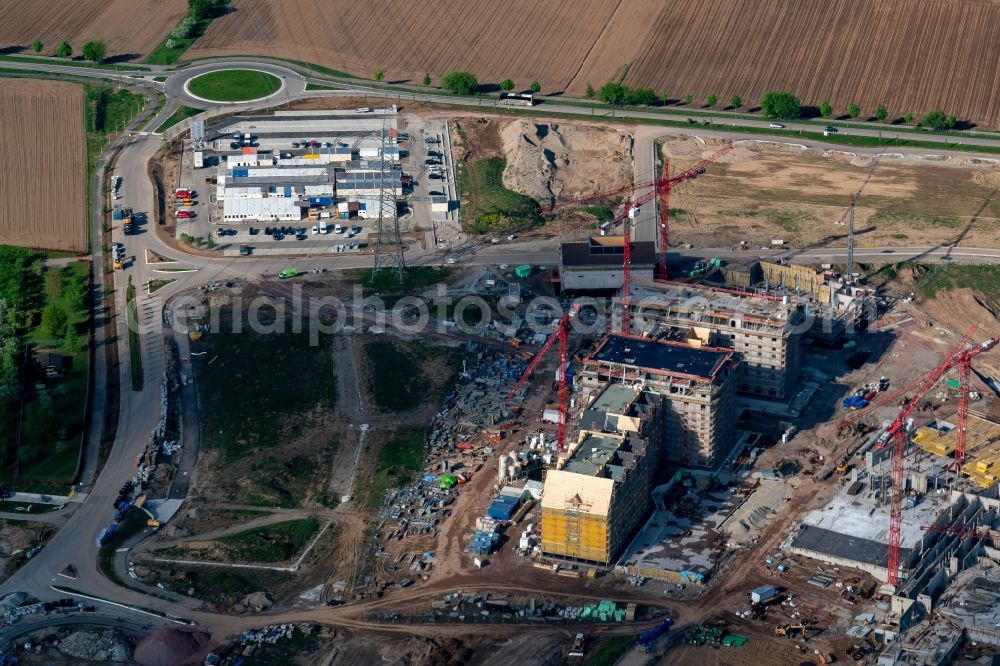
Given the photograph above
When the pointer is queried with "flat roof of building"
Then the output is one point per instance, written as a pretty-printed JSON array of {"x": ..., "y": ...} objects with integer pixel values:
[
  {"x": 615, "y": 398},
  {"x": 592, "y": 454},
  {"x": 665, "y": 357},
  {"x": 600, "y": 251},
  {"x": 845, "y": 546},
  {"x": 848, "y": 522}
]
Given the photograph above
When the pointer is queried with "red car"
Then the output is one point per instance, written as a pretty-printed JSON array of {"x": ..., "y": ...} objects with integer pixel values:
[{"x": 185, "y": 214}]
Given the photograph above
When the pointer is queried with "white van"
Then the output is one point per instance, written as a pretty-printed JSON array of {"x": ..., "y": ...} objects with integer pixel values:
[{"x": 337, "y": 228}]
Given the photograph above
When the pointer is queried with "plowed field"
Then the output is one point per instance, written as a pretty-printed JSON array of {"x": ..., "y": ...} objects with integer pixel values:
[
  {"x": 523, "y": 39},
  {"x": 912, "y": 57},
  {"x": 130, "y": 28},
  {"x": 42, "y": 202}
]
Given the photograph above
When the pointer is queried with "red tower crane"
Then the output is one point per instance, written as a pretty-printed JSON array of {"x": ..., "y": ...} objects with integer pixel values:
[
  {"x": 964, "y": 363},
  {"x": 661, "y": 188},
  {"x": 561, "y": 334},
  {"x": 896, "y": 433}
]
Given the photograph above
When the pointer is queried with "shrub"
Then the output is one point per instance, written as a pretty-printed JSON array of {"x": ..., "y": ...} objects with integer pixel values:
[
  {"x": 507, "y": 84},
  {"x": 938, "y": 120},
  {"x": 64, "y": 50}
]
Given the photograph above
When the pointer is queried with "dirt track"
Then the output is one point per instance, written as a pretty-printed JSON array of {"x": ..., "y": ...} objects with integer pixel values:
[
  {"x": 42, "y": 195},
  {"x": 129, "y": 28}
]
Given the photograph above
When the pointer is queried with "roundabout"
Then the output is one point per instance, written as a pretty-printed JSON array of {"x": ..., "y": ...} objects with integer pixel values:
[{"x": 233, "y": 85}]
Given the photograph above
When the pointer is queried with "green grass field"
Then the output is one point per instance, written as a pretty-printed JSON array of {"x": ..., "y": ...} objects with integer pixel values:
[
  {"x": 234, "y": 85},
  {"x": 489, "y": 206},
  {"x": 983, "y": 278},
  {"x": 132, "y": 321},
  {"x": 280, "y": 542},
  {"x": 67, "y": 62},
  {"x": 281, "y": 379},
  {"x": 106, "y": 112},
  {"x": 397, "y": 464},
  {"x": 397, "y": 383},
  {"x": 179, "y": 114}
]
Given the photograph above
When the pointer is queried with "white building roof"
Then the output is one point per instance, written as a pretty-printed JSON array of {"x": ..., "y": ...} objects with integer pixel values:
[
  {"x": 225, "y": 193},
  {"x": 261, "y": 208}
]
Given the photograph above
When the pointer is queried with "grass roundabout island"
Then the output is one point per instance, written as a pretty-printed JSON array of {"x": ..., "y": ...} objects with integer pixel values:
[{"x": 233, "y": 85}]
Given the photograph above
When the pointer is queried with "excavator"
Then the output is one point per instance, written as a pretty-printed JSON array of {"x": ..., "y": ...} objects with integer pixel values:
[{"x": 790, "y": 630}]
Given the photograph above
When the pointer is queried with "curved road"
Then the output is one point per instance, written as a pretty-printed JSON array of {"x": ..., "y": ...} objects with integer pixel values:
[{"x": 75, "y": 545}]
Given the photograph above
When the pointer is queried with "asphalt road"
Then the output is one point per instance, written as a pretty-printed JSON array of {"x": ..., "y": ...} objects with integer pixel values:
[{"x": 140, "y": 409}]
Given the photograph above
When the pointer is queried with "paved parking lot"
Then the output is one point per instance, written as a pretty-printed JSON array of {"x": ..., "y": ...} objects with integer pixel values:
[{"x": 429, "y": 194}]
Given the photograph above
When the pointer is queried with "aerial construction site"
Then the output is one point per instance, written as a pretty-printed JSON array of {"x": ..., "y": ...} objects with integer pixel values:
[{"x": 382, "y": 376}]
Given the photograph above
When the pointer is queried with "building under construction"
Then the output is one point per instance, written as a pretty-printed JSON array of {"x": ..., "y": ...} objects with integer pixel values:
[
  {"x": 597, "y": 495},
  {"x": 764, "y": 332},
  {"x": 832, "y": 306},
  {"x": 696, "y": 386}
]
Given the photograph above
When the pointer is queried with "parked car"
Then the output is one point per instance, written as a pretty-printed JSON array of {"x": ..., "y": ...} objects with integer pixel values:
[{"x": 315, "y": 229}]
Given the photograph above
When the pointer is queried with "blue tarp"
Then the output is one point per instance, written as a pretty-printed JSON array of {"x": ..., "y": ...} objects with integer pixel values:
[{"x": 503, "y": 507}]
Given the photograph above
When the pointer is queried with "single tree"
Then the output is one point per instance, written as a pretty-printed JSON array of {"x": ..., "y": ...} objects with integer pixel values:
[
  {"x": 589, "y": 92},
  {"x": 712, "y": 99},
  {"x": 536, "y": 87},
  {"x": 460, "y": 83},
  {"x": 64, "y": 50},
  {"x": 907, "y": 117},
  {"x": 614, "y": 93},
  {"x": 94, "y": 51},
  {"x": 881, "y": 113},
  {"x": 938, "y": 120},
  {"x": 54, "y": 321},
  {"x": 36, "y": 46},
  {"x": 427, "y": 79},
  {"x": 780, "y": 105},
  {"x": 826, "y": 109},
  {"x": 688, "y": 98},
  {"x": 507, "y": 84},
  {"x": 642, "y": 96},
  {"x": 853, "y": 110},
  {"x": 379, "y": 75},
  {"x": 735, "y": 101}
]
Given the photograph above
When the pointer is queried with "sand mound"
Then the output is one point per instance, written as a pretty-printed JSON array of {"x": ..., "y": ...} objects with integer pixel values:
[
  {"x": 172, "y": 647},
  {"x": 551, "y": 161}
]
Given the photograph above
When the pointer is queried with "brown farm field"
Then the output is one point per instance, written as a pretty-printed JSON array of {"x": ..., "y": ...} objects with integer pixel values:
[
  {"x": 912, "y": 57},
  {"x": 515, "y": 38},
  {"x": 130, "y": 28},
  {"x": 42, "y": 191}
]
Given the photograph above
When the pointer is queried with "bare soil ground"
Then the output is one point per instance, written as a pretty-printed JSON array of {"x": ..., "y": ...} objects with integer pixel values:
[
  {"x": 552, "y": 161},
  {"x": 42, "y": 186},
  {"x": 129, "y": 28},
  {"x": 764, "y": 190}
]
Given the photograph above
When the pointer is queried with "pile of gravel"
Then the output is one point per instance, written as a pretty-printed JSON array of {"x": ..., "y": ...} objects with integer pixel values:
[{"x": 104, "y": 646}]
